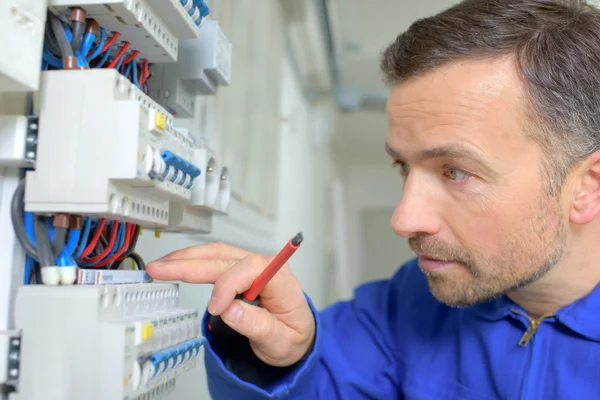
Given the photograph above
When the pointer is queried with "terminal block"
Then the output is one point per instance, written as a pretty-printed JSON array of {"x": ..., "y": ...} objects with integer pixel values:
[
  {"x": 153, "y": 27},
  {"x": 107, "y": 149},
  {"x": 137, "y": 335}
]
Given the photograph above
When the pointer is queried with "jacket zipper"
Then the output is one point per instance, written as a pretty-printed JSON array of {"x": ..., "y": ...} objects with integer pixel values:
[{"x": 534, "y": 324}]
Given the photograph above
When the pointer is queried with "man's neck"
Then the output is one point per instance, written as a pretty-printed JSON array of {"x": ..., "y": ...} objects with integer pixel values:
[{"x": 573, "y": 278}]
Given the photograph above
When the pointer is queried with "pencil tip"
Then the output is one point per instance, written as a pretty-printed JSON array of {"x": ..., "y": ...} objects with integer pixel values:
[{"x": 297, "y": 239}]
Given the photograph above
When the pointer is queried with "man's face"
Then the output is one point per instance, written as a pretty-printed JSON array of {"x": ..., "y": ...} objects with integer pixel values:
[{"x": 474, "y": 206}]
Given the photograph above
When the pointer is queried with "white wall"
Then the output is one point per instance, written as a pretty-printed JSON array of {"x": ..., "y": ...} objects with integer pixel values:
[{"x": 367, "y": 188}]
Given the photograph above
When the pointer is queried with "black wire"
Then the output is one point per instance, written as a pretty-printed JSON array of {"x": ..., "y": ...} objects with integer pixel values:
[
  {"x": 133, "y": 242},
  {"x": 141, "y": 265}
]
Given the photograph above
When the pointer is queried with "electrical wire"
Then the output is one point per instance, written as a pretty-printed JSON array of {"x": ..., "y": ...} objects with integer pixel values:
[
  {"x": 74, "y": 235},
  {"x": 43, "y": 241},
  {"x": 123, "y": 248},
  {"x": 50, "y": 39},
  {"x": 135, "y": 74},
  {"x": 144, "y": 72},
  {"x": 98, "y": 49},
  {"x": 116, "y": 63},
  {"x": 78, "y": 36},
  {"x": 86, "y": 44},
  {"x": 141, "y": 265},
  {"x": 110, "y": 42},
  {"x": 87, "y": 224},
  {"x": 113, "y": 237},
  {"x": 131, "y": 57},
  {"x": 59, "y": 33},
  {"x": 135, "y": 234},
  {"x": 104, "y": 58},
  {"x": 29, "y": 270},
  {"x": 50, "y": 59},
  {"x": 16, "y": 212},
  {"x": 92, "y": 244}
]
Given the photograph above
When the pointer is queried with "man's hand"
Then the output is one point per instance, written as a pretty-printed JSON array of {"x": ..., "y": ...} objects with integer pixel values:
[{"x": 281, "y": 330}]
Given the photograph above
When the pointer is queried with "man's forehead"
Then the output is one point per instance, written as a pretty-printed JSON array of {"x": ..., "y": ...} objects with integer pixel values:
[{"x": 472, "y": 83}]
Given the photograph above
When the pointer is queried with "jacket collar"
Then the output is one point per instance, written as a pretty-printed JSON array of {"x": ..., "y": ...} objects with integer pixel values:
[{"x": 581, "y": 316}]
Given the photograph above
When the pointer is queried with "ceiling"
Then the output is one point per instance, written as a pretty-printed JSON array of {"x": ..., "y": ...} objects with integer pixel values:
[{"x": 361, "y": 30}]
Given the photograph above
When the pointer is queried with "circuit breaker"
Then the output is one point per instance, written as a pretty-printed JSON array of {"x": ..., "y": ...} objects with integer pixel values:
[{"x": 104, "y": 342}]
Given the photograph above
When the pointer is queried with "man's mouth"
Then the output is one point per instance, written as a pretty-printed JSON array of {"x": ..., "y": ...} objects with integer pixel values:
[{"x": 432, "y": 263}]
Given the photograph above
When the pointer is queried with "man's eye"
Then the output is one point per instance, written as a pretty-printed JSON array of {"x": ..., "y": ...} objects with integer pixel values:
[
  {"x": 455, "y": 174},
  {"x": 402, "y": 166}
]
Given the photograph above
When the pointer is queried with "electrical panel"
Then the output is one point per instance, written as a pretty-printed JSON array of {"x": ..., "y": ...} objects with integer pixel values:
[
  {"x": 137, "y": 335},
  {"x": 153, "y": 27},
  {"x": 93, "y": 150},
  {"x": 23, "y": 22},
  {"x": 204, "y": 65}
]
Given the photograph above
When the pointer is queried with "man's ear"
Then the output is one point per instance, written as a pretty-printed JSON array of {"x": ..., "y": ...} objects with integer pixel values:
[{"x": 586, "y": 200}]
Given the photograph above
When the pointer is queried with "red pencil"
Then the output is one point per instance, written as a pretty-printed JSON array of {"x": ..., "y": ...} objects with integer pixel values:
[{"x": 280, "y": 259}]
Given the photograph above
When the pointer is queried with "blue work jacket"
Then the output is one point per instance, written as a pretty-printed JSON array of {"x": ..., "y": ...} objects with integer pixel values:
[{"x": 394, "y": 340}]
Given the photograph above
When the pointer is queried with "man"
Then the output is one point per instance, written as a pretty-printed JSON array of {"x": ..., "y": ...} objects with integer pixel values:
[{"x": 494, "y": 123}]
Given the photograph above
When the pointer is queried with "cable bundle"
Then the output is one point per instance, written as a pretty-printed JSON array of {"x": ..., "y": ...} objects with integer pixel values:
[
  {"x": 56, "y": 245},
  {"x": 84, "y": 44}
]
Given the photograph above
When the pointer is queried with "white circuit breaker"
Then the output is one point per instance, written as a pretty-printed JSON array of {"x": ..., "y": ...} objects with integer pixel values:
[
  {"x": 204, "y": 64},
  {"x": 109, "y": 150},
  {"x": 113, "y": 342}
]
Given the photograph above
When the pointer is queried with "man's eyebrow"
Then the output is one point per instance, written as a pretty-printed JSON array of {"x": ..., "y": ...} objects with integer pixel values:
[{"x": 456, "y": 151}]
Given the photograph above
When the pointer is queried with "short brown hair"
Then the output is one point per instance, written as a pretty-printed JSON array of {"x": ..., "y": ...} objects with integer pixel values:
[{"x": 556, "y": 45}]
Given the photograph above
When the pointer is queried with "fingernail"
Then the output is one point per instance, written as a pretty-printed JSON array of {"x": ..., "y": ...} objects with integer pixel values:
[
  {"x": 212, "y": 304},
  {"x": 233, "y": 314}
]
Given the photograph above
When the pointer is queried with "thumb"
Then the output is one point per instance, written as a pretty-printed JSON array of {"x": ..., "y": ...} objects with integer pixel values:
[{"x": 256, "y": 323}]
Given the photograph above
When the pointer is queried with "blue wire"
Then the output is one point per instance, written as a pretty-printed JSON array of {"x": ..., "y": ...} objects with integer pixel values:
[
  {"x": 104, "y": 58},
  {"x": 29, "y": 264},
  {"x": 86, "y": 44},
  {"x": 84, "y": 237},
  {"x": 29, "y": 227},
  {"x": 127, "y": 71},
  {"x": 50, "y": 59},
  {"x": 119, "y": 240},
  {"x": 100, "y": 45},
  {"x": 120, "y": 61},
  {"x": 135, "y": 74},
  {"x": 81, "y": 61},
  {"x": 74, "y": 235},
  {"x": 68, "y": 33}
]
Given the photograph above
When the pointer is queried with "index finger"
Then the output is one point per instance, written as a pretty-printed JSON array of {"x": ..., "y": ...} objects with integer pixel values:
[
  {"x": 189, "y": 270},
  {"x": 209, "y": 251}
]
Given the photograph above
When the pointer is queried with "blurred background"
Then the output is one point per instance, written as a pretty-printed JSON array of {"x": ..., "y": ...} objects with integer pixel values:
[{"x": 302, "y": 127}]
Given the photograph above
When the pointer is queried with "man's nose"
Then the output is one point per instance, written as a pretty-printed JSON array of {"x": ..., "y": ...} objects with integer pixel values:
[{"x": 415, "y": 214}]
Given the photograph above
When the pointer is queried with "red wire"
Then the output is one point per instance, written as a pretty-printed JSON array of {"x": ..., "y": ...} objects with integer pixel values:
[
  {"x": 92, "y": 245},
  {"x": 144, "y": 72},
  {"x": 121, "y": 250},
  {"x": 119, "y": 55},
  {"x": 131, "y": 57},
  {"x": 133, "y": 228},
  {"x": 111, "y": 243},
  {"x": 112, "y": 41}
]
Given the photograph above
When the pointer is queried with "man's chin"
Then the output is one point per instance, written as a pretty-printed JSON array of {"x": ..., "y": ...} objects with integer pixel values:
[{"x": 457, "y": 292}]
